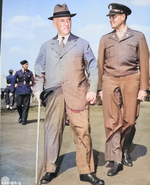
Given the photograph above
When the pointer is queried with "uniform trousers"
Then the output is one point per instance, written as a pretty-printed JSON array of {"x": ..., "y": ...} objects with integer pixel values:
[
  {"x": 120, "y": 110},
  {"x": 80, "y": 130},
  {"x": 9, "y": 99},
  {"x": 23, "y": 103}
]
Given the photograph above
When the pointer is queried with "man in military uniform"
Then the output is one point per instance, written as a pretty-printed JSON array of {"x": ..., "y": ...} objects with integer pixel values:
[
  {"x": 24, "y": 79},
  {"x": 8, "y": 90},
  {"x": 123, "y": 63}
]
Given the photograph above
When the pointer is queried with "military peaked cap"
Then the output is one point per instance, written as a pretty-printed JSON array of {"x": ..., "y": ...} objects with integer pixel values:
[
  {"x": 116, "y": 8},
  {"x": 23, "y": 62}
]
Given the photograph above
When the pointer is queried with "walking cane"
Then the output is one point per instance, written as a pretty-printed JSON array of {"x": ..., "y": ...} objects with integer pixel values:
[{"x": 37, "y": 143}]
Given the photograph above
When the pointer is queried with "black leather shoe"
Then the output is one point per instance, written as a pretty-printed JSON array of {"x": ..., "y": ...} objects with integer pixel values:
[
  {"x": 67, "y": 122},
  {"x": 127, "y": 159},
  {"x": 48, "y": 177},
  {"x": 91, "y": 178},
  {"x": 115, "y": 169},
  {"x": 19, "y": 120},
  {"x": 24, "y": 122}
]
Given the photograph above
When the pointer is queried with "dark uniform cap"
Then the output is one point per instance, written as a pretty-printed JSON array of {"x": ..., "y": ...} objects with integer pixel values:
[
  {"x": 23, "y": 62},
  {"x": 10, "y": 71},
  {"x": 116, "y": 8},
  {"x": 61, "y": 11}
]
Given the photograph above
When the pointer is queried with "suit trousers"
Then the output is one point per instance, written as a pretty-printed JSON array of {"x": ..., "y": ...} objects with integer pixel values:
[
  {"x": 80, "y": 130},
  {"x": 120, "y": 110},
  {"x": 23, "y": 103}
]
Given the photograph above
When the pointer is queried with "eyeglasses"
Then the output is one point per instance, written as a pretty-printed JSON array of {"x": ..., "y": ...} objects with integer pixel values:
[{"x": 113, "y": 16}]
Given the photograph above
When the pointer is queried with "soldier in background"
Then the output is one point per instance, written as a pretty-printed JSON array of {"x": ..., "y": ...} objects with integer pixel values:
[
  {"x": 9, "y": 92},
  {"x": 24, "y": 79}
]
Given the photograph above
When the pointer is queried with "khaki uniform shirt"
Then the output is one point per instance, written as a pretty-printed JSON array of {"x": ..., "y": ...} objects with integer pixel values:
[{"x": 124, "y": 57}]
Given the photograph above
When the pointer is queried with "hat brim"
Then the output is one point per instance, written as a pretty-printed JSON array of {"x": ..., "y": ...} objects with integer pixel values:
[{"x": 63, "y": 15}]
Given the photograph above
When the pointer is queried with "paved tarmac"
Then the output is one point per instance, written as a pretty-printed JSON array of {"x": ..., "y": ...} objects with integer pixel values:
[{"x": 18, "y": 150}]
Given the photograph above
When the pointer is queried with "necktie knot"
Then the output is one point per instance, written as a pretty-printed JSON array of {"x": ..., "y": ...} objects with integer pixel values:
[{"x": 62, "y": 45}]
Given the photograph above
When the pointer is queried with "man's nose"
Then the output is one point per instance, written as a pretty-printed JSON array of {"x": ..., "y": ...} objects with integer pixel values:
[
  {"x": 67, "y": 22},
  {"x": 111, "y": 18}
]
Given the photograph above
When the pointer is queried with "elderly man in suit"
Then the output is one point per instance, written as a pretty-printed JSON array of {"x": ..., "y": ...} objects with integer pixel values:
[
  {"x": 70, "y": 71},
  {"x": 123, "y": 64}
]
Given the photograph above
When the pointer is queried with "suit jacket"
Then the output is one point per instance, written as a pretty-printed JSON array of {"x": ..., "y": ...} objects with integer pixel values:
[
  {"x": 24, "y": 82},
  {"x": 124, "y": 57},
  {"x": 74, "y": 69}
]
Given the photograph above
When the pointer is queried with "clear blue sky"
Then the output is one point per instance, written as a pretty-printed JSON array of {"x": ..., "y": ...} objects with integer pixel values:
[{"x": 25, "y": 26}]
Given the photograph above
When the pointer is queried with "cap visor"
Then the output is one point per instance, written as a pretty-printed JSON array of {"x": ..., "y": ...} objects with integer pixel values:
[{"x": 111, "y": 14}]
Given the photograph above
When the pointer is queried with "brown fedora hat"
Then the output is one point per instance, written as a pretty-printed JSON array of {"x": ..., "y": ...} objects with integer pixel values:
[{"x": 61, "y": 11}]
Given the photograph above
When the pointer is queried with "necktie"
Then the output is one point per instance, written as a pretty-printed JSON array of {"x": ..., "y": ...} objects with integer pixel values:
[{"x": 62, "y": 45}]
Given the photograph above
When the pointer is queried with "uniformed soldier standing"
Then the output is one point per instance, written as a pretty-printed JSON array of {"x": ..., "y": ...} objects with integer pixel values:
[
  {"x": 9, "y": 92},
  {"x": 123, "y": 64},
  {"x": 24, "y": 79}
]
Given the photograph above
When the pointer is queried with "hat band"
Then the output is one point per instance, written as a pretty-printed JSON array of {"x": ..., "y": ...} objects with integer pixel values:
[
  {"x": 119, "y": 11},
  {"x": 61, "y": 13}
]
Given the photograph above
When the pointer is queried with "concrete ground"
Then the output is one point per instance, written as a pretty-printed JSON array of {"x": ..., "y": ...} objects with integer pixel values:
[{"x": 18, "y": 150}]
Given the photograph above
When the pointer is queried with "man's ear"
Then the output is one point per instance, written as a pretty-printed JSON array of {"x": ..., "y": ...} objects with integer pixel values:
[{"x": 123, "y": 16}]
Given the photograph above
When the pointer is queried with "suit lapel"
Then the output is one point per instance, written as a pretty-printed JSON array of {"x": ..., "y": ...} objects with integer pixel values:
[
  {"x": 128, "y": 34},
  {"x": 69, "y": 45},
  {"x": 114, "y": 36},
  {"x": 72, "y": 42},
  {"x": 55, "y": 45}
]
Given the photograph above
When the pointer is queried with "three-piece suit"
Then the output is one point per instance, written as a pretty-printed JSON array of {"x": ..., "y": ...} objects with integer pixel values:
[{"x": 70, "y": 73}]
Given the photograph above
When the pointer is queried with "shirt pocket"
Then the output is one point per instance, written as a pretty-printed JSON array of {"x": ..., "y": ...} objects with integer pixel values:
[
  {"x": 20, "y": 78},
  {"x": 28, "y": 78},
  {"x": 109, "y": 51},
  {"x": 132, "y": 49}
]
